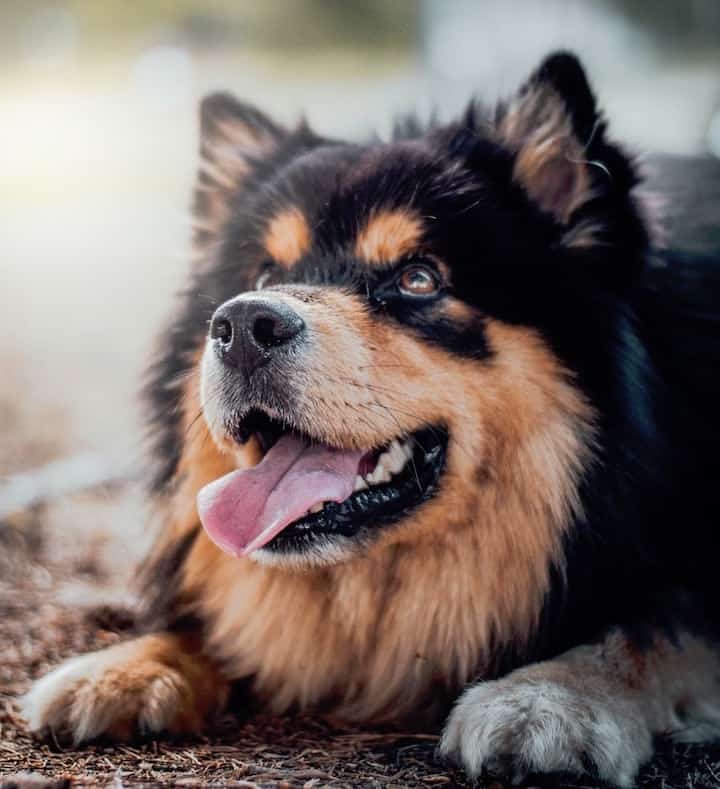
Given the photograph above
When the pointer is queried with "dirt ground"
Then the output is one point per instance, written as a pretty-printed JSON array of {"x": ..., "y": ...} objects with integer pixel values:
[{"x": 57, "y": 602}]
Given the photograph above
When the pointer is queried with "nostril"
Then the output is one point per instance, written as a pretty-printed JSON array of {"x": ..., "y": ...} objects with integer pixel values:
[
  {"x": 265, "y": 331},
  {"x": 221, "y": 330},
  {"x": 270, "y": 328}
]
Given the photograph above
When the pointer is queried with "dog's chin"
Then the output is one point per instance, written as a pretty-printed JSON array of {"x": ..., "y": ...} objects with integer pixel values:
[
  {"x": 321, "y": 552},
  {"x": 383, "y": 488}
]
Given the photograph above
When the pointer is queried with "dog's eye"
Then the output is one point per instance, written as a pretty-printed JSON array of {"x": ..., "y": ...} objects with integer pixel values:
[{"x": 418, "y": 280}]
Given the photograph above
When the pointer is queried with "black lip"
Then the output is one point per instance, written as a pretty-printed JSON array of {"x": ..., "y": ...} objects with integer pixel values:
[{"x": 378, "y": 506}]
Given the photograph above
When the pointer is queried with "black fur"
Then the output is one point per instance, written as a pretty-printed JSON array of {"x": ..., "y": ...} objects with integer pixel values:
[{"x": 637, "y": 323}]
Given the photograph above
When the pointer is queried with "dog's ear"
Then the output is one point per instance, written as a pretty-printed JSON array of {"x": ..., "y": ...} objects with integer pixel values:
[
  {"x": 235, "y": 138},
  {"x": 550, "y": 127}
]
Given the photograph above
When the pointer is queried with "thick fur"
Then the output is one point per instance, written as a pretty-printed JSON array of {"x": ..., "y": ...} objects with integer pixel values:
[{"x": 572, "y": 356}]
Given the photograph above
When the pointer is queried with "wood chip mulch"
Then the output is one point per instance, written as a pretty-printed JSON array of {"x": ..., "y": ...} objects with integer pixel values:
[{"x": 39, "y": 627}]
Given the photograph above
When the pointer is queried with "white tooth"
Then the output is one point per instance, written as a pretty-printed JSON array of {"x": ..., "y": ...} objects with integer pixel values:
[
  {"x": 316, "y": 507},
  {"x": 397, "y": 458},
  {"x": 388, "y": 459},
  {"x": 381, "y": 466},
  {"x": 359, "y": 483},
  {"x": 381, "y": 474},
  {"x": 407, "y": 450}
]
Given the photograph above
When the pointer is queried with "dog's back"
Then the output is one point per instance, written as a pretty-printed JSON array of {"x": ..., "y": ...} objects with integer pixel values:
[
  {"x": 679, "y": 309},
  {"x": 682, "y": 288}
]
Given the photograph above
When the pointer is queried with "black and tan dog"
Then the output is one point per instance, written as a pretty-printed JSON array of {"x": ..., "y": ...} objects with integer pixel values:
[{"x": 451, "y": 434}]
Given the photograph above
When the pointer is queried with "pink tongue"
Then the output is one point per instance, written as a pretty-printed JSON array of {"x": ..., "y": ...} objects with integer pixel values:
[{"x": 244, "y": 510}]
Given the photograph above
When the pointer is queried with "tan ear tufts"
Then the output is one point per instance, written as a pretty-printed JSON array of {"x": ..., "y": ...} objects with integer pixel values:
[
  {"x": 549, "y": 160},
  {"x": 233, "y": 136}
]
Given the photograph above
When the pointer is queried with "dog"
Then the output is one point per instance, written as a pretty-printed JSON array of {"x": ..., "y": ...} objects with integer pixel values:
[{"x": 434, "y": 432}]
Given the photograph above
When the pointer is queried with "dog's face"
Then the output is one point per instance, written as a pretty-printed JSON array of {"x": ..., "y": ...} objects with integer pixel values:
[{"x": 380, "y": 351}]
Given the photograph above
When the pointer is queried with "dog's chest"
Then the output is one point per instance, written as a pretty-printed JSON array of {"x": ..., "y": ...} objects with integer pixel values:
[{"x": 371, "y": 644}]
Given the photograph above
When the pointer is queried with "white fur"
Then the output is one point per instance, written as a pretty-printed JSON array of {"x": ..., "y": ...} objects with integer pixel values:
[
  {"x": 323, "y": 552},
  {"x": 601, "y": 704},
  {"x": 542, "y": 727},
  {"x": 86, "y": 696}
]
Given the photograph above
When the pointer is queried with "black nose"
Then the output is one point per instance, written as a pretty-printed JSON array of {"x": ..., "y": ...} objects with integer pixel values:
[{"x": 247, "y": 332}]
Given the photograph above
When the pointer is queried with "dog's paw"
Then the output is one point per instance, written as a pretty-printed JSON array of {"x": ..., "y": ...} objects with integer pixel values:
[
  {"x": 520, "y": 728},
  {"x": 140, "y": 687}
]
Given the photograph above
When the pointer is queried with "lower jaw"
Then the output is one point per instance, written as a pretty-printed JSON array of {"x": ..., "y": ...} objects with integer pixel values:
[{"x": 341, "y": 527}]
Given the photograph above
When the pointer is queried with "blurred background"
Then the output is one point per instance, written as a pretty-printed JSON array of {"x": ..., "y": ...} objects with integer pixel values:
[{"x": 97, "y": 156}]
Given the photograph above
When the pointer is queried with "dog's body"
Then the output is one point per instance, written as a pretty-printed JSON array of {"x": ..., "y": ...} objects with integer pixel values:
[{"x": 468, "y": 340}]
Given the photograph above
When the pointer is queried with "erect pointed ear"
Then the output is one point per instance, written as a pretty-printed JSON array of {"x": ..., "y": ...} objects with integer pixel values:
[
  {"x": 234, "y": 138},
  {"x": 550, "y": 126}
]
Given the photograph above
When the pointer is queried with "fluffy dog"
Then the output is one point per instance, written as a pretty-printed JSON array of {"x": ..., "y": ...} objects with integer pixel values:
[{"x": 436, "y": 420}]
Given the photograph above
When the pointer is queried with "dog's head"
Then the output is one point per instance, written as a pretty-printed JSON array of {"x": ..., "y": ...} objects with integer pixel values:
[{"x": 396, "y": 325}]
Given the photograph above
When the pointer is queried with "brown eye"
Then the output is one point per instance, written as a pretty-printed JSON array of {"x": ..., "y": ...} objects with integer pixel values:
[{"x": 418, "y": 281}]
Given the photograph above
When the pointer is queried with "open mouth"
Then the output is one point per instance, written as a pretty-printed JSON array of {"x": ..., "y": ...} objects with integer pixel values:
[{"x": 303, "y": 491}]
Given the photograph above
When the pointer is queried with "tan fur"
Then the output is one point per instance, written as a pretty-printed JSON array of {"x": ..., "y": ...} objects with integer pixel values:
[
  {"x": 370, "y": 638},
  {"x": 389, "y": 236},
  {"x": 371, "y": 634},
  {"x": 288, "y": 236},
  {"x": 549, "y": 159},
  {"x": 458, "y": 311},
  {"x": 154, "y": 683}
]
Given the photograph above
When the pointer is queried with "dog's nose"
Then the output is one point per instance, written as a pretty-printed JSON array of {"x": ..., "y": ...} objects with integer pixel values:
[{"x": 248, "y": 331}]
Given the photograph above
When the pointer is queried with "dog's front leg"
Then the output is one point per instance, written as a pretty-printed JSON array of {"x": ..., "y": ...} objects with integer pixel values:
[
  {"x": 594, "y": 709},
  {"x": 155, "y": 683}
]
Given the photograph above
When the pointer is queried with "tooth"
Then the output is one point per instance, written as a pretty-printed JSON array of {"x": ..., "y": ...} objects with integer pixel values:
[
  {"x": 317, "y": 507},
  {"x": 406, "y": 452},
  {"x": 396, "y": 458},
  {"x": 360, "y": 483},
  {"x": 388, "y": 459},
  {"x": 381, "y": 474}
]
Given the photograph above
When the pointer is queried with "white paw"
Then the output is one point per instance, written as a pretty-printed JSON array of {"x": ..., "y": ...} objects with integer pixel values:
[
  {"x": 114, "y": 692},
  {"x": 522, "y": 727}
]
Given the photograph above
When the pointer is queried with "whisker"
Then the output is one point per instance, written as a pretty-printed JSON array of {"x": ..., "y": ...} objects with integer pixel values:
[
  {"x": 461, "y": 446},
  {"x": 384, "y": 367},
  {"x": 207, "y": 297},
  {"x": 412, "y": 438},
  {"x": 366, "y": 386},
  {"x": 195, "y": 419}
]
